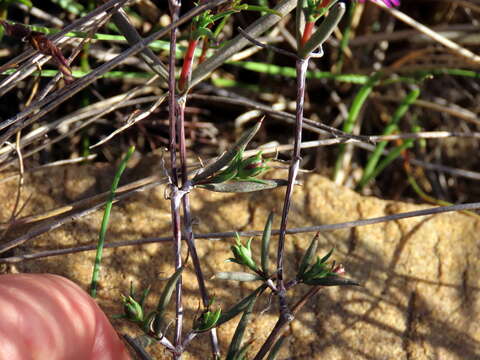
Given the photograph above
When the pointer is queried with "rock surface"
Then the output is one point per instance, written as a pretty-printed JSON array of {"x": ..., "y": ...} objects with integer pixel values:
[{"x": 420, "y": 294}]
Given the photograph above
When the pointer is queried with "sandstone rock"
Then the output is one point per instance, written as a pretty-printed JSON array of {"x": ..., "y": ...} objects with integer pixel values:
[{"x": 420, "y": 286}]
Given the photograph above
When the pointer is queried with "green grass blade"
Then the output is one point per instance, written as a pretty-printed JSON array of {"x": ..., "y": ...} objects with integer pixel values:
[
  {"x": 353, "y": 113},
  {"x": 262, "y": 3},
  {"x": 391, "y": 127},
  {"x": 71, "y": 6},
  {"x": 392, "y": 155},
  {"x": 447, "y": 71},
  {"x": 290, "y": 72},
  {"x": 105, "y": 221},
  {"x": 346, "y": 37}
]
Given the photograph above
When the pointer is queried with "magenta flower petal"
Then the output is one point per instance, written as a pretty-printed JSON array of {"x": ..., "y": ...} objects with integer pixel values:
[{"x": 389, "y": 3}]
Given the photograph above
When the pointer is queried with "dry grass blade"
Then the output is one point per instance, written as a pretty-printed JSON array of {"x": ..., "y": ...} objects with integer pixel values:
[
  {"x": 78, "y": 210},
  {"x": 120, "y": 19},
  {"x": 84, "y": 23},
  {"x": 450, "y": 45},
  {"x": 136, "y": 117},
  {"x": 87, "y": 114},
  {"x": 44, "y": 106}
]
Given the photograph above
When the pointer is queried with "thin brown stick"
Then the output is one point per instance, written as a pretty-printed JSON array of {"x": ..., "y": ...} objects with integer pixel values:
[{"x": 231, "y": 234}]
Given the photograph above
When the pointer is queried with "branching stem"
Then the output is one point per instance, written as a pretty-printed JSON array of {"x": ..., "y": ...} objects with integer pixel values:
[
  {"x": 302, "y": 65},
  {"x": 188, "y": 230},
  {"x": 176, "y": 195}
]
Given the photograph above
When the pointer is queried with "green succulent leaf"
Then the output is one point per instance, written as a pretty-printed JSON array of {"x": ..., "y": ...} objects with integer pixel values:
[
  {"x": 165, "y": 297},
  {"x": 321, "y": 273},
  {"x": 144, "y": 295},
  {"x": 326, "y": 257},
  {"x": 207, "y": 320},
  {"x": 203, "y": 20},
  {"x": 324, "y": 30},
  {"x": 317, "y": 270},
  {"x": 168, "y": 290},
  {"x": 251, "y": 167},
  {"x": 240, "y": 306},
  {"x": 243, "y": 253},
  {"x": 308, "y": 256},
  {"x": 228, "y": 156},
  {"x": 267, "y": 232},
  {"x": 235, "y": 351},
  {"x": 132, "y": 309},
  {"x": 230, "y": 172},
  {"x": 237, "y": 276},
  {"x": 225, "y": 14},
  {"x": 331, "y": 280}
]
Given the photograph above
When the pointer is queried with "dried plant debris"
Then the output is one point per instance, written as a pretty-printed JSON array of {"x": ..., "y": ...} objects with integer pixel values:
[{"x": 41, "y": 43}]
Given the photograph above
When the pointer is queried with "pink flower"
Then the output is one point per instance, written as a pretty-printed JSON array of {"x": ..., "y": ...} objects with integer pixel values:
[{"x": 389, "y": 3}]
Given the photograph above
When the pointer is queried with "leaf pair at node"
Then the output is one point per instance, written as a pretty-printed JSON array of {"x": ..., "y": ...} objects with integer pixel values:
[
  {"x": 207, "y": 320},
  {"x": 152, "y": 323},
  {"x": 242, "y": 169},
  {"x": 313, "y": 270},
  {"x": 318, "y": 272},
  {"x": 242, "y": 254},
  {"x": 231, "y": 173},
  {"x": 204, "y": 21}
]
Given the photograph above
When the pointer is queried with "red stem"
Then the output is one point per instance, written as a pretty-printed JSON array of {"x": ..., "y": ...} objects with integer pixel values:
[
  {"x": 307, "y": 32},
  {"x": 323, "y": 4},
  {"x": 187, "y": 65}
]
